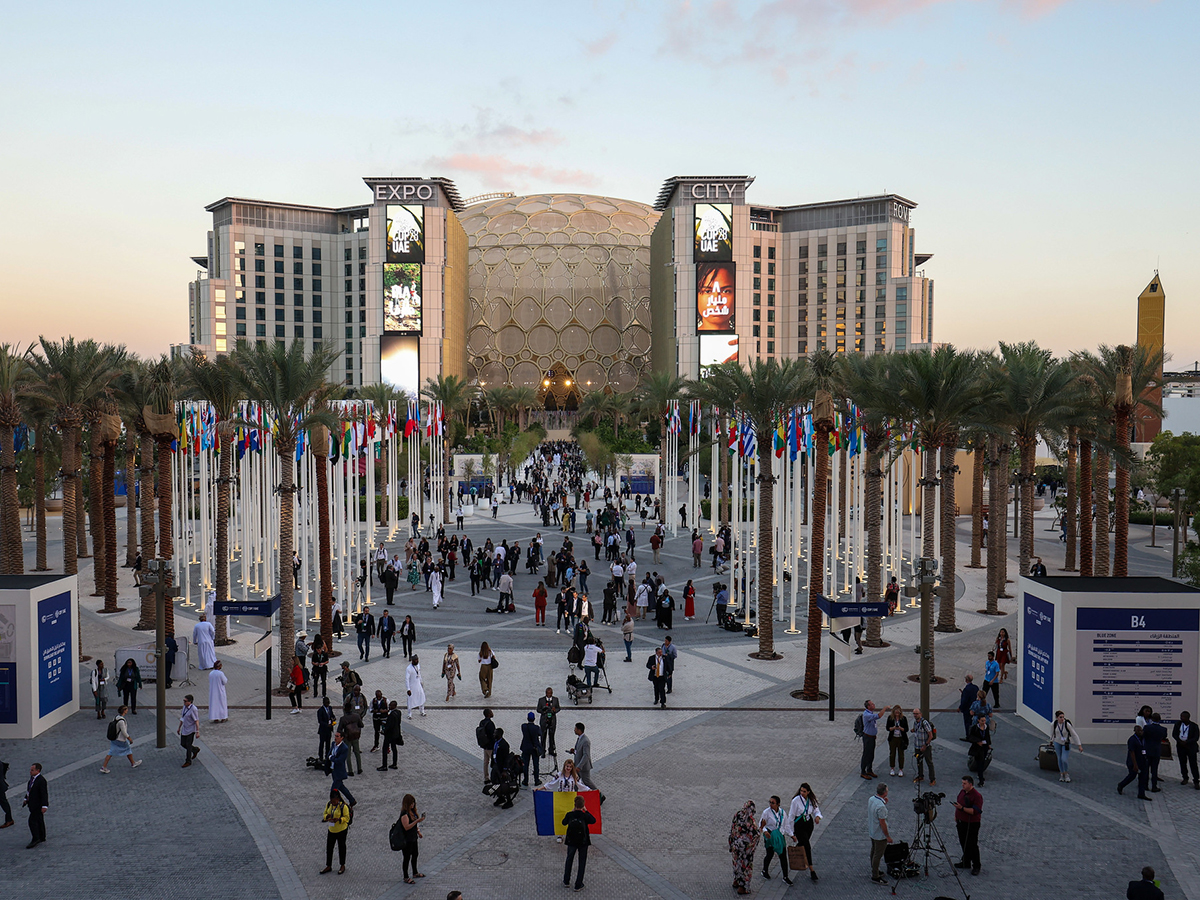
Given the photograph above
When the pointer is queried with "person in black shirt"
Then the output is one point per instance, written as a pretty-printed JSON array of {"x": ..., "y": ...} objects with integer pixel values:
[{"x": 578, "y": 840}]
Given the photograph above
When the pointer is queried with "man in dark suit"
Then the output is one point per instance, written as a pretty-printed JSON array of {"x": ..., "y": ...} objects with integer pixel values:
[
  {"x": 1154, "y": 734},
  {"x": 656, "y": 667},
  {"x": 365, "y": 626},
  {"x": 1145, "y": 889},
  {"x": 386, "y": 629},
  {"x": 339, "y": 758},
  {"x": 531, "y": 749},
  {"x": 577, "y": 840},
  {"x": 37, "y": 798},
  {"x": 1187, "y": 734},
  {"x": 1135, "y": 763},
  {"x": 970, "y": 691}
]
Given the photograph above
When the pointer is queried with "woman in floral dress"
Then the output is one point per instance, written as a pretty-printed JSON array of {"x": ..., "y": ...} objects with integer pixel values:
[{"x": 743, "y": 841}]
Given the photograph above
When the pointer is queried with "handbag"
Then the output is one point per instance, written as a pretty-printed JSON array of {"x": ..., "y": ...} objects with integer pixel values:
[
  {"x": 495, "y": 662},
  {"x": 797, "y": 859}
]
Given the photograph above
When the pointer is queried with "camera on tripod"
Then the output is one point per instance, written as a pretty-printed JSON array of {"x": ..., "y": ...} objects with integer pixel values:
[{"x": 926, "y": 804}]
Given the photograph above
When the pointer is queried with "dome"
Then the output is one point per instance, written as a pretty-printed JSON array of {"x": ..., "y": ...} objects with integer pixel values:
[{"x": 559, "y": 282}]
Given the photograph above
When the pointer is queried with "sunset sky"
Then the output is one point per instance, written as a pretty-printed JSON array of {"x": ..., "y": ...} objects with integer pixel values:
[{"x": 1051, "y": 146}]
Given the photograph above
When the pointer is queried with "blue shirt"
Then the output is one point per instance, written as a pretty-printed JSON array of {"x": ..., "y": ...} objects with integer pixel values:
[
  {"x": 870, "y": 720},
  {"x": 876, "y": 813},
  {"x": 991, "y": 671}
]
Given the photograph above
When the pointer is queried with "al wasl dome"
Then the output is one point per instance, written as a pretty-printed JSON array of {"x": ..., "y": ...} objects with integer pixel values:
[{"x": 559, "y": 293}]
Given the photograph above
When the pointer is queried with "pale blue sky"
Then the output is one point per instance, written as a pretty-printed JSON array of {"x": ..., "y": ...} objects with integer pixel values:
[{"x": 1051, "y": 145}]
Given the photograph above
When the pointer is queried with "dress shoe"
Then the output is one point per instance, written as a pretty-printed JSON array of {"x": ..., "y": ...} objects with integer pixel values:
[
  {"x": 1156, "y": 790},
  {"x": 381, "y": 769},
  {"x": 8, "y": 824},
  {"x": 326, "y": 870},
  {"x": 186, "y": 764},
  {"x": 1120, "y": 790},
  {"x": 31, "y": 845},
  {"x": 962, "y": 865},
  {"x": 1144, "y": 797},
  {"x": 392, "y": 766},
  {"x": 975, "y": 871}
]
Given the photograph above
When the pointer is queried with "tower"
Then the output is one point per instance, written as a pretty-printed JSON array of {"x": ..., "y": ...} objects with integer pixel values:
[{"x": 1150, "y": 336}]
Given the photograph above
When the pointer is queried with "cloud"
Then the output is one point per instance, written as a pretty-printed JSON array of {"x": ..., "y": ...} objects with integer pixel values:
[
  {"x": 601, "y": 45},
  {"x": 490, "y": 128},
  {"x": 503, "y": 172}
]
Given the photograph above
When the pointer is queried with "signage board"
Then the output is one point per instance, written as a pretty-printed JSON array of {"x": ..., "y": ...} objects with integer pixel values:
[
  {"x": 405, "y": 234},
  {"x": 402, "y": 298},
  {"x": 715, "y": 296},
  {"x": 837, "y": 609},
  {"x": 56, "y": 667},
  {"x": 714, "y": 232},
  {"x": 263, "y": 644},
  {"x": 1037, "y": 658},
  {"x": 262, "y": 608}
]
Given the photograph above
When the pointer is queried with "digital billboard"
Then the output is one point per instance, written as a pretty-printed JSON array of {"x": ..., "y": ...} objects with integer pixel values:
[
  {"x": 714, "y": 232},
  {"x": 716, "y": 349},
  {"x": 405, "y": 234},
  {"x": 399, "y": 362},
  {"x": 402, "y": 298},
  {"x": 56, "y": 665},
  {"x": 715, "y": 283}
]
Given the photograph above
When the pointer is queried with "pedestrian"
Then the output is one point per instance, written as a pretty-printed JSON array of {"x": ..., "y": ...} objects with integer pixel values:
[
  {"x": 351, "y": 729},
  {"x": 204, "y": 636},
  {"x": 689, "y": 601},
  {"x": 296, "y": 685},
  {"x": 320, "y": 667},
  {"x": 393, "y": 734},
  {"x": 410, "y": 820},
  {"x": 451, "y": 668},
  {"x": 188, "y": 730},
  {"x": 1146, "y": 889},
  {"x": 671, "y": 655},
  {"x": 1062, "y": 733},
  {"x": 664, "y": 610},
  {"x": 485, "y": 737},
  {"x": 923, "y": 736},
  {"x": 408, "y": 634},
  {"x": 435, "y": 584},
  {"x": 296, "y": 565},
  {"x": 896, "y": 727},
  {"x": 1187, "y": 736},
  {"x": 119, "y": 744},
  {"x": 970, "y": 690},
  {"x": 870, "y": 731},
  {"x": 99, "y": 683},
  {"x": 577, "y": 840},
  {"x": 364, "y": 627},
  {"x": 655, "y": 544},
  {"x": 338, "y": 626},
  {"x": 548, "y": 709},
  {"x": 968, "y": 809},
  {"x": 627, "y": 636},
  {"x": 743, "y": 840},
  {"x": 656, "y": 667},
  {"x": 380, "y": 561},
  {"x": 355, "y": 701},
  {"x": 349, "y": 680},
  {"x": 1004, "y": 654},
  {"x": 172, "y": 649},
  {"x": 337, "y": 815},
  {"x": 982, "y": 708},
  {"x": 129, "y": 679},
  {"x": 991, "y": 678},
  {"x": 803, "y": 816},
  {"x": 487, "y": 665},
  {"x": 218, "y": 701},
  {"x": 138, "y": 565},
  {"x": 339, "y": 764},
  {"x": 386, "y": 629},
  {"x": 877, "y": 828},
  {"x": 4, "y": 805},
  {"x": 581, "y": 753},
  {"x": 326, "y": 720},
  {"x": 1154, "y": 734},
  {"x": 891, "y": 594},
  {"x": 500, "y": 754},
  {"x": 539, "y": 604},
  {"x": 37, "y": 800},
  {"x": 379, "y": 714},
  {"x": 771, "y": 823},
  {"x": 301, "y": 651},
  {"x": 980, "y": 752},
  {"x": 1136, "y": 764},
  {"x": 697, "y": 550},
  {"x": 531, "y": 749},
  {"x": 414, "y": 686}
]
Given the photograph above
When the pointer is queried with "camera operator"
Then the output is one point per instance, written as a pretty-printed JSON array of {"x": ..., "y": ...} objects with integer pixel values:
[{"x": 968, "y": 809}]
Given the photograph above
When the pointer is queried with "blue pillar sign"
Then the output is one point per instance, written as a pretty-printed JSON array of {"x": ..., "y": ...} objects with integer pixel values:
[
  {"x": 1037, "y": 660},
  {"x": 55, "y": 667}
]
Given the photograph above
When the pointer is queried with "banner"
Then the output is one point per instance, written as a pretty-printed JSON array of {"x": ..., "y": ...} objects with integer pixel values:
[
  {"x": 715, "y": 289},
  {"x": 549, "y": 807}
]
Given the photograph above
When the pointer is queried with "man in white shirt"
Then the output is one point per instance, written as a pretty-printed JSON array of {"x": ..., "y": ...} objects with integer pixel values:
[
  {"x": 657, "y": 666},
  {"x": 618, "y": 574},
  {"x": 380, "y": 561},
  {"x": 591, "y": 662}
]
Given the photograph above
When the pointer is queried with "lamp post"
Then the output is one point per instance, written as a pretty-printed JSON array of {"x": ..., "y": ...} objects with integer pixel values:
[
  {"x": 1176, "y": 496},
  {"x": 159, "y": 584},
  {"x": 927, "y": 577}
]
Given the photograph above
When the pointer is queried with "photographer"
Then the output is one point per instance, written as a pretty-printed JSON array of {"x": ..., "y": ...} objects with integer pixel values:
[
  {"x": 968, "y": 809},
  {"x": 923, "y": 736}
]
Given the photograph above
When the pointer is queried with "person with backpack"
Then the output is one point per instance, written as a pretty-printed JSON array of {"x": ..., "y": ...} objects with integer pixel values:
[
  {"x": 119, "y": 744},
  {"x": 409, "y": 836},
  {"x": 577, "y": 841},
  {"x": 337, "y": 816},
  {"x": 923, "y": 736},
  {"x": 485, "y": 737},
  {"x": 1062, "y": 733}
]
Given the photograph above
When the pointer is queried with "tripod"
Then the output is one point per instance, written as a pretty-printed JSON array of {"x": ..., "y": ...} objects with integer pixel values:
[{"x": 927, "y": 842}]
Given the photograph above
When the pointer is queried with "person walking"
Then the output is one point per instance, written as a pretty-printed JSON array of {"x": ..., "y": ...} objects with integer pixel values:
[
  {"x": 296, "y": 686},
  {"x": 804, "y": 814},
  {"x": 1136, "y": 764},
  {"x": 339, "y": 765},
  {"x": 771, "y": 823},
  {"x": 877, "y": 828},
  {"x": 581, "y": 753},
  {"x": 487, "y": 665},
  {"x": 320, "y": 667},
  {"x": 1062, "y": 734},
  {"x": 991, "y": 678},
  {"x": 386, "y": 629},
  {"x": 485, "y": 737},
  {"x": 656, "y": 667},
  {"x": 1187, "y": 735},
  {"x": 119, "y": 743},
  {"x": 188, "y": 730},
  {"x": 548, "y": 709},
  {"x": 337, "y": 815},
  {"x": 627, "y": 636},
  {"x": 577, "y": 840},
  {"x": 870, "y": 728},
  {"x": 531, "y": 749},
  {"x": 99, "y": 684},
  {"x": 4, "y": 805},
  {"x": 897, "y": 738},
  {"x": 408, "y": 634},
  {"x": 1154, "y": 734},
  {"x": 451, "y": 668},
  {"x": 968, "y": 809},
  {"x": 539, "y": 604},
  {"x": 923, "y": 736},
  {"x": 1146, "y": 889},
  {"x": 129, "y": 679},
  {"x": 743, "y": 841},
  {"x": 379, "y": 714},
  {"x": 218, "y": 699},
  {"x": 970, "y": 690},
  {"x": 37, "y": 801},
  {"x": 393, "y": 734},
  {"x": 326, "y": 721},
  {"x": 980, "y": 752},
  {"x": 364, "y": 627},
  {"x": 414, "y": 686},
  {"x": 410, "y": 820}
]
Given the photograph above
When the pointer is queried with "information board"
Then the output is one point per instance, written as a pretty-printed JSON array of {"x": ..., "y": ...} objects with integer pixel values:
[
  {"x": 1127, "y": 658},
  {"x": 1037, "y": 660},
  {"x": 55, "y": 667}
]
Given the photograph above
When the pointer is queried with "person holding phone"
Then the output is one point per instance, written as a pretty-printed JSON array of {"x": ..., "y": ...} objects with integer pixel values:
[
  {"x": 410, "y": 821},
  {"x": 337, "y": 816}
]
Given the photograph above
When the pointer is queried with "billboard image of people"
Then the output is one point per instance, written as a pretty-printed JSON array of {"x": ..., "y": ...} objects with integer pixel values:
[
  {"x": 716, "y": 349},
  {"x": 402, "y": 298},
  {"x": 405, "y": 234},
  {"x": 714, "y": 232},
  {"x": 715, "y": 288}
]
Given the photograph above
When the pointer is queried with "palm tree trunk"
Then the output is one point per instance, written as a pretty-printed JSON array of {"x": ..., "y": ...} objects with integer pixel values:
[
  {"x": 1072, "y": 510},
  {"x": 39, "y": 497},
  {"x": 12, "y": 559},
  {"x": 96, "y": 506},
  {"x": 929, "y": 500},
  {"x": 816, "y": 563},
  {"x": 766, "y": 549},
  {"x": 977, "y": 460},
  {"x": 147, "y": 620},
  {"x": 225, "y": 432},
  {"x": 1100, "y": 474},
  {"x": 946, "y": 609},
  {"x": 81, "y": 530},
  {"x": 1002, "y": 573},
  {"x": 287, "y": 608},
  {"x": 166, "y": 537},
  {"x": 872, "y": 494},
  {"x": 1121, "y": 498},
  {"x": 109, "y": 508},
  {"x": 1085, "y": 509},
  {"x": 1027, "y": 448},
  {"x": 994, "y": 587},
  {"x": 324, "y": 564},
  {"x": 70, "y": 511},
  {"x": 130, "y": 499}
]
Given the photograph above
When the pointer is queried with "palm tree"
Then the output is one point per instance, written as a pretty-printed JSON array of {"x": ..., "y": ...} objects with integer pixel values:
[
  {"x": 976, "y": 440},
  {"x": 523, "y": 400},
  {"x": 136, "y": 392},
  {"x": 14, "y": 378},
  {"x": 294, "y": 392},
  {"x": 161, "y": 394},
  {"x": 39, "y": 415},
  {"x": 1098, "y": 411},
  {"x": 1071, "y": 511},
  {"x": 110, "y": 434},
  {"x": 592, "y": 407},
  {"x": 653, "y": 402},
  {"x": 498, "y": 401},
  {"x": 217, "y": 383},
  {"x": 620, "y": 407},
  {"x": 455, "y": 396},
  {"x": 764, "y": 393}
]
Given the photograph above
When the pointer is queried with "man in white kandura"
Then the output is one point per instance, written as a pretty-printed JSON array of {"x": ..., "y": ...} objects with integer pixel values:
[
  {"x": 218, "y": 703},
  {"x": 204, "y": 636},
  {"x": 435, "y": 582},
  {"x": 414, "y": 686}
]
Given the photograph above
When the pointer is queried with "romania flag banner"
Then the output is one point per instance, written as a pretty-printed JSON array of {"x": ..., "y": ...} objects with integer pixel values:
[{"x": 549, "y": 807}]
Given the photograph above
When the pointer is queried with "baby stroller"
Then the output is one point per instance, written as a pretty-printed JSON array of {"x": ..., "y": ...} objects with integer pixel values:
[{"x": 509, "y": 784}]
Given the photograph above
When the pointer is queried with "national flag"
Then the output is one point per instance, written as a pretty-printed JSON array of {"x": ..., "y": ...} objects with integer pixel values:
[
  {"x": 300, "y": 445},
  {"x": 749, "y": 442},
  {"x": 412, "y": 422},
  {"x": 549, "y": 807},
  {"x": 781, "y": 440},
  {"x": 731, "y": 428},
  {"x": 793, "y": 435}
]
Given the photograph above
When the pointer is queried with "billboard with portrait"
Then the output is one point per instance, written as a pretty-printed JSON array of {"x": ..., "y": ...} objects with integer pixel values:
[
  {"x": 405, "y": 234},
  {"x": 715, "y": 291},
  {"x": 399, "y": 362},
  {"x": 714, "y": 232},
  {"x": 402, "y": 298},
  {"x": 716, "y": 349}
]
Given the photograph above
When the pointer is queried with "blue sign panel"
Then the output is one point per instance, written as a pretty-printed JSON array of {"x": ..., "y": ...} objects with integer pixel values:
[
  {"x": 638, "y": 484},
  {"x": 838, "y": 610},
  {"x": 1133, "y": 619},
  {"x": 246, "y": 608},
  {"x": 8, "y": 693},
  {"x": 1037, "y": 665},
  {"x": 55, "y": 668}
]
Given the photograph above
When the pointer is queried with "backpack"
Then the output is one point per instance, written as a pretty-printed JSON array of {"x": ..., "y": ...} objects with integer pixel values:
[
  {"x": 397, "y": 837},
  {"x": 114, "y": 729},
  {"x": 858, "y": 726},
  {"x": 481, "y": 737}
]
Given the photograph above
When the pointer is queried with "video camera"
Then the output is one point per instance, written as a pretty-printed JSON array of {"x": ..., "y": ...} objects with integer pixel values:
[{"x": 926, "y": 804}]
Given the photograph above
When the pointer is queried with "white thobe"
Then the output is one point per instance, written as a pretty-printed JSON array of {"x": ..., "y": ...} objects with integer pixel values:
[
  {"x": 218, "y": 704},
  {"x": 435, "y": 582},
  {"x": 204, "y": 636},
  {"x": 416, "y": 690}
]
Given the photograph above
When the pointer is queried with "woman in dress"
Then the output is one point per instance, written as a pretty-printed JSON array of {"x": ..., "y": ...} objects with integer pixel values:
[
  {"x": 410, "y": 819},
  {"x": 689, "y": 601},
  {"x": 451, "y": 668},
  {"x": 435, "y": 583},
  {"x": 129, "y": 679},
  {"x": 485, "y": 669},
  {"x": 804, "y": 815},
  {"x": 743, "y": 841},
  {"x": 414, "y": 575},
  {"x": 1003, "y": 653}
]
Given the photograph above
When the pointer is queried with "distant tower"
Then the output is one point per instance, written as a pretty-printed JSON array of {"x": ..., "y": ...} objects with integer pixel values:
[{"x": 1151, "y": 317}]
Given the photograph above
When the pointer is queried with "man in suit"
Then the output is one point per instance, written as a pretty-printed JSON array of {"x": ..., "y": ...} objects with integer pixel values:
[
  {"x": 339, "y": 757},
  {"x": 970, "y": 691},
  {"x": 37, "y": 798},
  {"x": 1187, "y": 734},
  {"x": 326, "y": 719},
  {"x": 1154, "y": 733},
  {"x": 1135, "y": 763},
  {"x": 582, "y": 754},
  {"x": 656, "y": 667},
  {"x": 670, "y": 654},
  {"x": 577, "y": 841},
  {"x": 386, "y": 628},
  {"x": 1145, "y": 889},
  {"x": 365, "y": 626},
  {"x": 531, "y": 749}
]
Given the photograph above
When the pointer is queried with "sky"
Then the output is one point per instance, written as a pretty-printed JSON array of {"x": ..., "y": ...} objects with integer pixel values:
[{"x": 1050, "y": 144}]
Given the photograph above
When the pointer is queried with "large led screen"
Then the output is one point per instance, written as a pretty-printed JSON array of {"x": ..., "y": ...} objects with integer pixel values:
[
  {"x": 716, "y": 349},
  {"x": 405, "y": 234},
  {"x": 714, "y": 232},
  {"x": 402, "y": 298},
  {"x": 715, "y": 296},
  {"x": 399, "y": 357}
]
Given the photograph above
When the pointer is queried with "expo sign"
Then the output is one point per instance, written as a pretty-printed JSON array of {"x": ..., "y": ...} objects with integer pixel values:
[{"x": 403, "y": 192}]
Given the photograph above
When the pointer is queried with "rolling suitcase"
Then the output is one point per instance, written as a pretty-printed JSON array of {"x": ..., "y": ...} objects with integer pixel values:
[{"x": 1047, "y": 759}]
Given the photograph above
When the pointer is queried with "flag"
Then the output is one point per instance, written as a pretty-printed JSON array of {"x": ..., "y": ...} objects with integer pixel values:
[
  {"x": 300, "y": 445},
  {"x": 749, "y": 444},
  {"x": 781, "y": 440},
  {"x": 549, "y": 807},
  {"x": 412, "y": 421},
  {"x": 731, "y": 427},
  {"x": 793, "y": 435}
]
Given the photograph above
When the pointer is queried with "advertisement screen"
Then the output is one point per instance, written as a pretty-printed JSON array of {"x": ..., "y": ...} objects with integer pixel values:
[
  {"x": 714, "y": 232},
  {"x": 8, "y": 664},
  {"x": 398, "y": 363},
  {"x": 405, "y": 234},
  {"x": 1037, "y": 667},
  {"x": 56, "y": 667},
  {"x": 715, "y": 296},
  {"x": 716, "y": 349},
  {"x": 402, "y": 298}
]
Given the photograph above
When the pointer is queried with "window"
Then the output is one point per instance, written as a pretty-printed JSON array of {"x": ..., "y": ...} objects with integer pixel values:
[
  {"x": 260, "y": 296},
  {"x": 841, "y": 265},
  {"x": 880, "y": 244},
  {"x": 803, "y": 331},
  {"x": 758, "y": 251},
  {"x": 316, "y": 300},
  {"x": 770, "y": 299},
  {"x": 901, "y": 343},
  {"x": 316, "y": 316},
  {"x": 362, "y": 315},
  {"x": 297, "y": 252},
  {"x": 860, "y": 280},
  {"x": 298, "y": 315},
  {"x": 240, "y": 312},
  {"x": 241, "y": 329},
  {"x": 902, "y": 326},
  {"x": 770, "y": 346},
  {"x": 803, "y": 284},
  {"x": 279, "y": 250},
  {"x": 349, "y": 332},
  {"x": 260, "y": 330},
  {"x": 770, "y": 284},
  {"x": 316, "y": 269},
  {"x": 803, "y": 298},
  {"x": 757, "y": 299},
  {"x": 880, "y": 295},
  {"x": 841, "y": 281},
  {"x": 279, "y": 315},
  {"x": 822, "y": 249},
  {"x": 298, "y": 268},
  {"x": 841, "y": 248},
  {"x": 348, "y": 255},
  {"x": 349, "y": 285},
  {"x": 316, "y": 252},
  {"x": 260, "y": 249},
  {"x": 757, "y": 316},
  {"x": 260, "y": 265},
  {"x": 297, "y": 284},
  {"x": 298, "y": 331},
  {"x": 804, "y": 251},
  {"x": 880, "y": 278},
  {"x": 349, "y": 347},
  {"x": 278, "y": 267},
  {"x": 860, "y": 247},
  {"x": 757, "y": 267},
  {"x": 349, "y": 316},
  {"x": 821, "y": 313},
  {"x": 901, "y": 309},
  {"x": 822, "y": 265},
  {"x": 860, "y": 296},
  {"x": 860, "y": 264},
  {"x": 770, "y": 253},
  {"x": 880, "y": 311},
  {"x": 881, "y": 261},
  {"x": 260, "y": 315},
  {"x": 279, "y": 282},
  {"x": 820, "y": 296},
  {"x": 362, "y": 299},
  {"x": 803, "y": 314},
  {"x": 241, "y": 264},
  {"x": 901, "y": 293},
  {"x": 757, "y": 331},
  {"x": 880, "y": 326},
  {"x": 279, "y": 299},
  {"x": 297, "y": 299},
  {"x": 860, "y": 311},
  {"x": 362, "y": 252},
  {"x": 770, "y": 315},
  {"x": 317, "y": 333},
  {"x": 348, "y": 268},
  {"x": 362, "y": 284},
  {"x": 279, "y": 332},
  {"x": 822, "y": 281},
  {"x": 802, "y": 347},
  {"x": 803, "y": 268},
  {"x": 316, "y": 285},
  {"x": 841, "y": 312},
  {"x": 770, "y": 268},
  {"x": 758, "y": 284},
  {"x": 260, "y": 281}
]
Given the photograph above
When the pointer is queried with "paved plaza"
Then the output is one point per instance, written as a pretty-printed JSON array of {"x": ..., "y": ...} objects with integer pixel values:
[{"x": 245, "y": 821}]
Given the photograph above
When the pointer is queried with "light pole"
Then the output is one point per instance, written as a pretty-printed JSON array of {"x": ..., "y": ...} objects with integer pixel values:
[
  {"x": 1176, "y": 496},
  {"x": 927, "y": 575},
  {"x": 158, "y": 578}
]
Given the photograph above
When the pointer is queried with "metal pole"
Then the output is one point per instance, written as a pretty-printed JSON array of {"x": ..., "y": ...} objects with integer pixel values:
[
  {"x": 160, "y": 663},
  {"x": 832, "y": 656},
  {"x": 1175, "y": 536},
  {"x": 269, "y": 671}
]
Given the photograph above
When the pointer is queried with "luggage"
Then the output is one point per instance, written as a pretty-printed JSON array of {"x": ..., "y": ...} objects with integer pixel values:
[
  {"x": 897, "y": 863},
  {"x": 894, "y": 853},
  {"x": 1047, "y": 759},
  {"x": 797, "y": 859}
]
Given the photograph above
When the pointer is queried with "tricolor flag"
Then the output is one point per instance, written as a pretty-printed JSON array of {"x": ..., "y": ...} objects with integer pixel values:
[
  {"x": 781, "y": 440},
  {"x": 549, "y": 807},
  {"x": 413, "y": 422}
]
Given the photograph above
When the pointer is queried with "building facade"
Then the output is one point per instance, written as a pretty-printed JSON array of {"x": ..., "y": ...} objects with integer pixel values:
[{"x": 563, "y": 293}]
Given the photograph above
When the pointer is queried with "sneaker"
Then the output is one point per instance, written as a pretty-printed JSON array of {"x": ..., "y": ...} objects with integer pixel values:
[
  {"x": 1068, "y": 777},
  {"x": 879, "y": 879},
  {"x": 901, "y": 773},
  {"x": 892, "y": 772},
  {"x": 136, "y": 763},
  {"x": 104, "y": 771}
]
